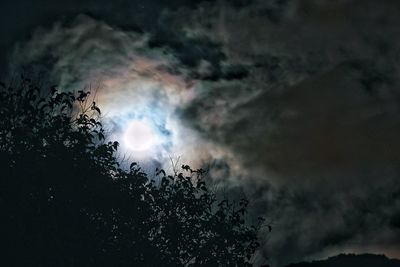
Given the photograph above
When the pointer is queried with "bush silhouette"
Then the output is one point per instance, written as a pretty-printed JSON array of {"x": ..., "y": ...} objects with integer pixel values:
[{"x": 66, "y": 201}]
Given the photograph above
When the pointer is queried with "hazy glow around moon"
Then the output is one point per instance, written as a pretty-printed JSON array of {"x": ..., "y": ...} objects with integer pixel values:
[{"x": 139, "y": 136}]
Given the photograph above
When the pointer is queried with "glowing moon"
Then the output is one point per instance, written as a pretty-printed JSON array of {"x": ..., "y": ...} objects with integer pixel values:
[{"x": 139, "y": 136}]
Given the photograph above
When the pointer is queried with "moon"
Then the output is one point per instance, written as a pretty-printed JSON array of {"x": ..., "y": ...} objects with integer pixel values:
[{"x": 139, "y": 136}]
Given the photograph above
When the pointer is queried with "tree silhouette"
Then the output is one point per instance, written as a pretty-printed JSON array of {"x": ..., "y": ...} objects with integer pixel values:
[{"x": 66, "y": 201}]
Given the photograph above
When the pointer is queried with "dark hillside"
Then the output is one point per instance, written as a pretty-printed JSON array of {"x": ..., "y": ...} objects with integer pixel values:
[{"x": 351, "y": 260}]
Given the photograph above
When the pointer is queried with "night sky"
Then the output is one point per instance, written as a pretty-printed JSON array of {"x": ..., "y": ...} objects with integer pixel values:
[{"x": 293, "y": 103}]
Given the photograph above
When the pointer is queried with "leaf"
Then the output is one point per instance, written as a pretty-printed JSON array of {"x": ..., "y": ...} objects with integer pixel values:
[
  {"x": 161, "y": 171},
  {"x": 133, "y": 164},
  {"x": 53, "y": 89},
  {"x": 115, "y": 145},
  {"x": 97, "y": 109},
  {"x": 186, "y": 167}
]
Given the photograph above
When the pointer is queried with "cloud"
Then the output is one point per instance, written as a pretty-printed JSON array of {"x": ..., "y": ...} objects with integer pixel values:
[{"x": 133, "y": 80}]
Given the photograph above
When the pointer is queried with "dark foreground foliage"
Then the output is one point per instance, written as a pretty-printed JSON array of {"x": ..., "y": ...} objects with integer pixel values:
[{"x": 65, "y": 200}]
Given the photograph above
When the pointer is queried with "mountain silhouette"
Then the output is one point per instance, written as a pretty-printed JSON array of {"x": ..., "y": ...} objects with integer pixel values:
[{"x": 351, "y": 260}]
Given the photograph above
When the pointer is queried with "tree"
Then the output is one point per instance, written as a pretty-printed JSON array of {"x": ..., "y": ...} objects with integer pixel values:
[{"x": 65, "y": 200}]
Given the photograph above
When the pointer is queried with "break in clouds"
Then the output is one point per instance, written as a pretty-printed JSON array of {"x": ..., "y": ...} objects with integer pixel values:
[{"x": 293, "y": 103}]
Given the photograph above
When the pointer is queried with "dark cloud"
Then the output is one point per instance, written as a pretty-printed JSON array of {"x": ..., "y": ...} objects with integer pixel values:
[
  {"x": 315, "y": 122},
  {"x": 18, "y": 18}
]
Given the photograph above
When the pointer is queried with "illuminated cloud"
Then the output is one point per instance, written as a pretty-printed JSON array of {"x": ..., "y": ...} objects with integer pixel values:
[{"x": 130, "y": 81}]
